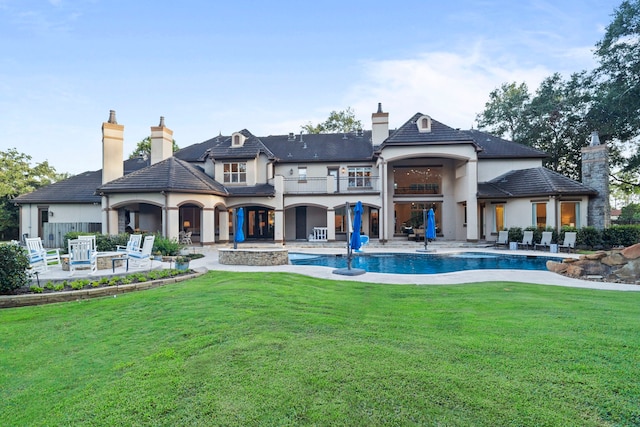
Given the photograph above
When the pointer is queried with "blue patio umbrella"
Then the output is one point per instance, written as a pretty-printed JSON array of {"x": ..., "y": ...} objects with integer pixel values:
[
  {"x": 239, "y": 234},
  {"x": 357, "y": 222},
  {"x": 431, "y": 225}
]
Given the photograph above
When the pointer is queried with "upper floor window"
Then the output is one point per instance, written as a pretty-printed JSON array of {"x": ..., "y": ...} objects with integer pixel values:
[
  {"x": 237, "y": 139},
  {"x": 424, "y": 124},
  {"x": 235, "y": 172},
  {"x": 302, "y": 174},
  {"x": 360, "y": 176},
  {"x": 417, "y": 180}
]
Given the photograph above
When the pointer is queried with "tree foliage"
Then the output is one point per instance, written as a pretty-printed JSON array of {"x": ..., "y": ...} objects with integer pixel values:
[
  {"x": 144, "y": 148},
  {"x": 562, "y": 113},
  {"x": 338, "y": 121},
  {"x": 18, "y": 176},
  {"x": 503, "y": 113}
]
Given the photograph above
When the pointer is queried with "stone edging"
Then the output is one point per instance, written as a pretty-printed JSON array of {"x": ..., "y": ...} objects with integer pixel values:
[{"x": 9, "y": 301}]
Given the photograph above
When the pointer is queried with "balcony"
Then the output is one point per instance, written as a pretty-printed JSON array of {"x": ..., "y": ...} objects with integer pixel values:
[{"x": 332, "y": 185}]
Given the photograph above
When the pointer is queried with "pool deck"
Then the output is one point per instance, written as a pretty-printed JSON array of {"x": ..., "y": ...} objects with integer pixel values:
[{"x": 210, "y": 262}]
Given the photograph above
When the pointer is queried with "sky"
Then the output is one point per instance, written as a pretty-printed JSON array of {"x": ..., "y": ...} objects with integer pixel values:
[{"x": 211, "y": 66}]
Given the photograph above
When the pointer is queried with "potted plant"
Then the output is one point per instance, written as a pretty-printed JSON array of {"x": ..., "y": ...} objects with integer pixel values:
[
  {"x": 157, "y": 256},
  {"x": 182, "y": 263}
]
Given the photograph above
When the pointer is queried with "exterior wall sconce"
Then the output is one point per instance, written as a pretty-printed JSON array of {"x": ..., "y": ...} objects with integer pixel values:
[
  {"x": 50, "y": 213},
  {"x": 291, "y": 171},
  {"x": 343, "y": 171}
]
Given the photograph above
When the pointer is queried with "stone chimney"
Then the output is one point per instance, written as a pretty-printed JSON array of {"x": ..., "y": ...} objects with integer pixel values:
[
  {"x": 379, "y": 126},
  {"x": 161, "y": 142},
  {"x": 595, "y": 174},
  {"x": 112, "y": 149}
]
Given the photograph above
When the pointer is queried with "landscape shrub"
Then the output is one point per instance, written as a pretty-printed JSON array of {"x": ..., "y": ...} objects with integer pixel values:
[
  {"x": 166, "y": 246},
  {"x": 621, "y": 235},
  {"x": 14, "y": 264},
  {"x": 589, "y": 237},
  {"x": 515, "y": 234}
]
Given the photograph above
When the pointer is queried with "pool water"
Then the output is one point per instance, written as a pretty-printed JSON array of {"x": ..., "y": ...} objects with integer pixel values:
[{"x": 401, "y": 263}]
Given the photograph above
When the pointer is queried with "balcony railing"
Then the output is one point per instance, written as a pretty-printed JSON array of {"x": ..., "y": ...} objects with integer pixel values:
[{"x": 331, "y": 185}]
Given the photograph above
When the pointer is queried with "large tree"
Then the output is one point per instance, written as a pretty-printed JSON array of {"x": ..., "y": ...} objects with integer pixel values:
[
  {"x": 618, "y": 74},
  {"x": 144, "y": 148},
  {"x": 338, "y": 121},
  {"x": 18, "y": 176},
  {"x": 503, "y": 114}
]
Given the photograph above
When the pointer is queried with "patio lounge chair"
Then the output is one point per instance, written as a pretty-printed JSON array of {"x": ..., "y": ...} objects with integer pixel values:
[
  {"x": 37, "y": 254},
  {"x": 132, "y": 245},
  {"x": 545, "y": 241},
  {"x": 527, "y": 239},
  {"x": 503, "y": 239},
  {"x": 569, "y": 242},
  {"x": 82, "y": 255},
  {"x": 142, "y": 256}
]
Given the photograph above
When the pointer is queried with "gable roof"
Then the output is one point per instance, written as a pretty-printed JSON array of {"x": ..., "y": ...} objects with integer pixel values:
[
  {"x": 171, "y": 174},
  {"x": 531, "y": 183},
  {"x": 494, "y": 147},
  {"x": 322, "y": 147},
  {"x": 80, "y": 188},
  {"x": 408, "y": 134},
  {"x": 220, "y": 147}
]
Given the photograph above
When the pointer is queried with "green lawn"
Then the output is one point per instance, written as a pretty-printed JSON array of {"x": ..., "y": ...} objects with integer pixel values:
[{"x": 281, "y": 349}]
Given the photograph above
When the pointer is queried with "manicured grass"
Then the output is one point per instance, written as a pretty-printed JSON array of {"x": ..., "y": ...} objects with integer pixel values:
[{"x": 282, "y": 349}]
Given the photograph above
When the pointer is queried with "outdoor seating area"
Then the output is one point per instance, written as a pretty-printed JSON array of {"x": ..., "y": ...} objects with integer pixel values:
[
  {"x": 545, "y": 243},
  {"x": 82, "y": 256}
]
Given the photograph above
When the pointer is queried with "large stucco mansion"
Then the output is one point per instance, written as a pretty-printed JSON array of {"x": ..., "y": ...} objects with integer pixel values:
[{"x": 291, "y": 184}]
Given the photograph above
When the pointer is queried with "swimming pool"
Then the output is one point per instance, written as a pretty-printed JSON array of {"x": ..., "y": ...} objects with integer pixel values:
[{"x": 402, "y": 263}]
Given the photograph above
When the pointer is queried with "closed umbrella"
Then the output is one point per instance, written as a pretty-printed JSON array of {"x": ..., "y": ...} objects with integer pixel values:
[
  {"x": 238, "y": 233},
  {"x": 357, "y": 222},
  {"x": 431, "y": 225}
]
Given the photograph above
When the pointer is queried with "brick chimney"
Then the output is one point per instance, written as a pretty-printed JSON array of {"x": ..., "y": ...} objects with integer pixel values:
[
  {"x": 112, "y": 149},
  {"x": 379, "y": 126},
  {"x": 161, "y": 142},
  {"x": 595, "y": 174}
]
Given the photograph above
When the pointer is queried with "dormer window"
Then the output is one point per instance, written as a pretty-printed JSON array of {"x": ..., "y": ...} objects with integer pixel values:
[
  {"x": 237, "y": 139},
  {"x": 424, "y": 124}
]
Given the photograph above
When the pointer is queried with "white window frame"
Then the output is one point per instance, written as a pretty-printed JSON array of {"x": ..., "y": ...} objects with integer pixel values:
[
  {"x": 235, "y": 172},
  {"x": 359, "y": 176}
]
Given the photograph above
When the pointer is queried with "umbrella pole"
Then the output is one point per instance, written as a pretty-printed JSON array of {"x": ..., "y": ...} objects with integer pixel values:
[{"x": 424, "y": 226}]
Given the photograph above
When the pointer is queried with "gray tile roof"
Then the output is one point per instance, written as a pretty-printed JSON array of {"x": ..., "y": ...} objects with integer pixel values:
[
  {"x": 408, "y": 134},
  {"x": 220, "y": 148},
  {"x": 257, "y": 190},
  {"x": 80, "y": 188},
  {"x": 494, "y": 147},
  {"x": 172, "y": 175},
  {"x": 311, "y": 148},
  {"x": 531, "y": 183}
]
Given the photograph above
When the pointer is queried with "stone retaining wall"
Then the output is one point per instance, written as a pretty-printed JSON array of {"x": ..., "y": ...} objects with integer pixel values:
[
  {"x": 253, "y": 256},
  {"x": 618, "y": 265}
]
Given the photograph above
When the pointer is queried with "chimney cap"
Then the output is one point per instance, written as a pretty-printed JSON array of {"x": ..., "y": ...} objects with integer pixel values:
[
  {"x": 161, "y": 122},
  {"x": 379, "y": 107},
  {"x": 112, "y": 117},
  {"x": 595, "y": 139}
]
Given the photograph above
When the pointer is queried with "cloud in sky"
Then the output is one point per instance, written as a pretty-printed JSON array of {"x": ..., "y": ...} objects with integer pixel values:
[{"x": 220, "y": 67}]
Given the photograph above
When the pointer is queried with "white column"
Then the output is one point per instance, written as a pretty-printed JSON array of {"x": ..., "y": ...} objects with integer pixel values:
[
  {"x": 223, "y": 225},
  {"x": 472, "y": 200},
  {"x": 278, "y": 226},
  {"x": 331, "y": 224},
  {"x": 208, "y": 229}
]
